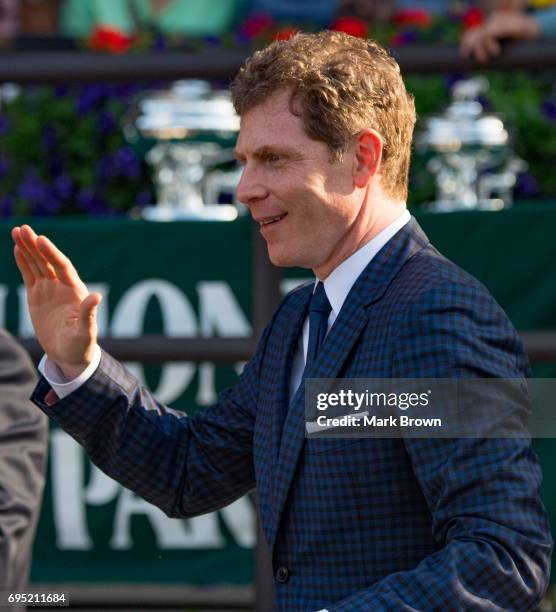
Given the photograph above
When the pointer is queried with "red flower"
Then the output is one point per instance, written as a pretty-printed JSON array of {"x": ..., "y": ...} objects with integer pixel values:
[
  {"x": 351, "y": 25},
  {"x": 285, "y": 33},
  {"x": 472, "y": 17},
  {"x": 255, "y": 25},
  {"x": 414, "y": 17},
  {"x": 108, "y": 38}
]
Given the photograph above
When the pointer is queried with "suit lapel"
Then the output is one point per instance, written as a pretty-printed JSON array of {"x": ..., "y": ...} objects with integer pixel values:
[
  {"x": 297, "y": 311},
  {"x": 369, "y": 287}
]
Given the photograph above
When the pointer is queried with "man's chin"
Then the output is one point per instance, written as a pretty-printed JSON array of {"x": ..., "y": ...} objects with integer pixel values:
[{"x": 282, "y": 259}]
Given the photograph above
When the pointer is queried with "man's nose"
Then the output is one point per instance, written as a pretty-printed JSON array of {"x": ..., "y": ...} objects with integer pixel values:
[{"x": 250, "y": 188}]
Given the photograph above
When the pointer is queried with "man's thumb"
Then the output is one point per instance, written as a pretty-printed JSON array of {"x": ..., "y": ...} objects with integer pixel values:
[{"x": 89, "y": 308}]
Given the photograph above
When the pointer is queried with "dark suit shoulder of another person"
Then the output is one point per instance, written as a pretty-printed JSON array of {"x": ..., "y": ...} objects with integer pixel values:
[{"x": 23, "y": 451}]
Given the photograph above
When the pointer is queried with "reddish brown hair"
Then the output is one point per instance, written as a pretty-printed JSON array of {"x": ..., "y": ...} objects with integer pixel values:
[{"x": 340, "y": 85}]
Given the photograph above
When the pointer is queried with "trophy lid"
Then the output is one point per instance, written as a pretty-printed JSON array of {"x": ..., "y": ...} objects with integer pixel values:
[
  {"x": 189, "y": 107},
  {"x": 463, "y": 123}
]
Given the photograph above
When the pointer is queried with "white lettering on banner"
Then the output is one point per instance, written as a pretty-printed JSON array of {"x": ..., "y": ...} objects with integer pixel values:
[
  {"x": 240, "y": 520},
  {"x": 101, "y": 488},
  {"x": 68, "y": 470},
  {"x": 102, "y": 310},
  {"x": 25, "y": 327},
  {"x": 178, "y": 320},
  {"x": 3, "y": 296},
  {"x": 219, "y": 315},
  {"x": 199, "y": 532},
  {"x": 71, "y": 496},
  {"x": 289, "y": 284}
]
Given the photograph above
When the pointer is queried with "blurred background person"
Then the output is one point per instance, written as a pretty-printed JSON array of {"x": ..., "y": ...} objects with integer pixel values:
[
  {"x": 80, "y": 18},
  {"x": 315, "y": 11},
  {"x": 507, "y": 23},
  {"x": 23, "y": 452},
  {"x": 8, "y": 21}
]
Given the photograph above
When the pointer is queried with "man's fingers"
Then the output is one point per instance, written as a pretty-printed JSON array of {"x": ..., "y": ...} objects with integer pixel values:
[
  {"x": 480, "y": 52},
  {"x": 24, "y": 268},
  {"x": 492, "y": 46},
  {"x": 467, "y": 42},
  {"x": 34, "y": 256},
  {"x": 24, "y": 250},
  {"x": 88, "y": 309},
  {"x": 60, "y": 263}
]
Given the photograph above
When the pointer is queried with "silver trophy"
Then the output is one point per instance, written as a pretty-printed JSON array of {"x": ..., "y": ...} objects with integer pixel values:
[
  {"x": 473, "y": 162},
  {"x": 193, "y": 129}
]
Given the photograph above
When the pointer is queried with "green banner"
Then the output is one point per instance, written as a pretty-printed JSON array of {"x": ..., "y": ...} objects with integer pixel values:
[{"x": 193, "y": 279}]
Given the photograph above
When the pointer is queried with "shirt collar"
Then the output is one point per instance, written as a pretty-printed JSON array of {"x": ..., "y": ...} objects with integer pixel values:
[{"x": 339, "y": 282}]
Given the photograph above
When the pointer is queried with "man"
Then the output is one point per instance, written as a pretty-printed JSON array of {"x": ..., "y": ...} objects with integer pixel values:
[
  {"x": 352, "y": 524},
  {"x": 23, "y": 437}
]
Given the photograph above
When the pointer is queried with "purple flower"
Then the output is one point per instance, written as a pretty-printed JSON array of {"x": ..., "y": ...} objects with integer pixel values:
[
  {"x": 89, "y": 97},
  {"x": 408, "y": 37},
  {"x": 126, "y": 163},
  {"x": 7, "y": 206},
  {"x": 213, "y": 41},
  {"x": 159, "y": 43},
  {"x": 144, "y": 198},
  {"x": 32, "y": 188},
  {"x": 63, "y": 186},
  {"x": 49, "y": 137},
  {"x": 4, "y": 166},
  {"x": 242, "y": 37},
  {"x": 104, "y": 169},
  {"x": 55, "y": 165},
  {"x": 91, "y": 202},
  {"x": 549, "y": 109},
  {"x": 47, "y": 206},
  {"x": 452, "y": 79},
  {"x": 4, "y": 125},
  {"x": 120, "y": 91},
  {"x": 526, "y": 185},
  {"x": 106, "y": 122}
]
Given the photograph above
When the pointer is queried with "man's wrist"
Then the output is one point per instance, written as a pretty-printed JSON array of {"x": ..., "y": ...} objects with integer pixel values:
[
  {"x": 57, "y": 379},
  {"x": 73, "y": 371}
]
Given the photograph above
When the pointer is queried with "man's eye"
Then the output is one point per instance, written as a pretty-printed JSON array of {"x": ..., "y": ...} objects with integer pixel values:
[{"x": 273, "y": 158}]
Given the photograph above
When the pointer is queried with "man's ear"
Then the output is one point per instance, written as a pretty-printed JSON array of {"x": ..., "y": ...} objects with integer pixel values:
[{"x": 368, "y": 156}]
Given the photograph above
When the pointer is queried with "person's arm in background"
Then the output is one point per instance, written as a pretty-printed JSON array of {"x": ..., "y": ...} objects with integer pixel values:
[
  {"x": 484, "y": 42},
  {"x": 23, "y": 450}
]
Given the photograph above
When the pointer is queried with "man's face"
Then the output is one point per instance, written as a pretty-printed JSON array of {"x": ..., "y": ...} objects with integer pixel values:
[{"x": 305, "y": 204}]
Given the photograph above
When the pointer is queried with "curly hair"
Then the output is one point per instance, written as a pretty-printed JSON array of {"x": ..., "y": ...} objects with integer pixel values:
[{"x": 339, "y": 86}]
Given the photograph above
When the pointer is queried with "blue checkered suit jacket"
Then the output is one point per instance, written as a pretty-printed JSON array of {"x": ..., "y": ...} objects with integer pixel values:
[{"x": 355, "y": 524}]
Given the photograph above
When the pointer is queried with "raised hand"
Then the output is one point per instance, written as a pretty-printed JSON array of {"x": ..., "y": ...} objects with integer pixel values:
[{"x": 62, "y": 310}]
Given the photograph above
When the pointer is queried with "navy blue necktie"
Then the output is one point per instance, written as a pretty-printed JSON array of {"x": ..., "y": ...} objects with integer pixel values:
[{"x": 319, "y": 309}]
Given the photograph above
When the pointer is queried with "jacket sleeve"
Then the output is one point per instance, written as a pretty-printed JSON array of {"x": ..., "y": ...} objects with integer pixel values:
[
  {"x": 185, "y": 465},
  {"x": 23, "y": 449},
  {"x": 483, "y": 493}
]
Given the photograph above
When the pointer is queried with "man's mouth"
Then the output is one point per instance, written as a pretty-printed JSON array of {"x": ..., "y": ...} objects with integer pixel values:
[{"x": 272, "y": 220}]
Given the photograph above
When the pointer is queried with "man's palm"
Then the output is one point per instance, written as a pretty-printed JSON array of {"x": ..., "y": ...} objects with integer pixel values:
[{"x": 62, "y": 310}]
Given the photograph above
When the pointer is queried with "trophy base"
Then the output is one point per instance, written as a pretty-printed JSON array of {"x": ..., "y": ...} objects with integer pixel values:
[
  {"x": 447, "y": 206},
  {"x": 209, "y": 212}
]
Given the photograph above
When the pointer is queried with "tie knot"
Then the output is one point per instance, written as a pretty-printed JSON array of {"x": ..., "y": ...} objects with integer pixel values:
[{"x": 319, "y": 302}]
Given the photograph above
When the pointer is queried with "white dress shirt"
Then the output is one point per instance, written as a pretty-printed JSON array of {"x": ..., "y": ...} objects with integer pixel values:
[{"x": 337, "y": 285}]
